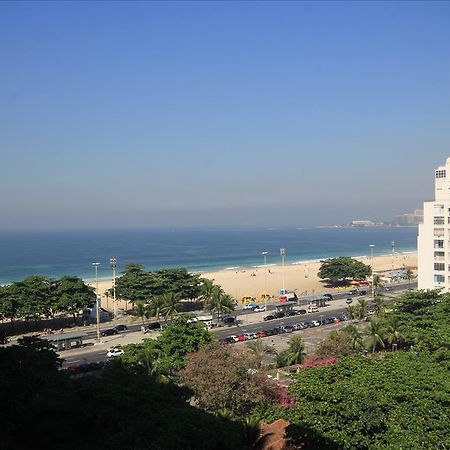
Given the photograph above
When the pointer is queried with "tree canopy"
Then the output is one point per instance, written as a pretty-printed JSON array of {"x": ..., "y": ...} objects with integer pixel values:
[{"x": 339, "y": 270}]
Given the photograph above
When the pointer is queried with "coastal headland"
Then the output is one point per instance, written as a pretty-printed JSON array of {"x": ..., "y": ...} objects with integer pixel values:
[{"x": 300, "y": 277}]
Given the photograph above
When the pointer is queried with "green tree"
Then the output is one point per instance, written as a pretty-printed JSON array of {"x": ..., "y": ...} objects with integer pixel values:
[
  {"x": 393, "y": 331},
  {"x": 260, "y": 351},
  {"x": 10, "y": 303},
  {"x": 355, "y": 337},
  {"x": 361, "y": 309},
  {"x": 409, "y": 276},
  {"x": 156, "y": 306},
  {"x": 378, "y": 284},
  {"x": 219, "y": 302},
  {"x": 171, "y": 305},
  {"x": 375, "y": 334},
  {"x": 178, "y": 339},
  {"x": 338, "y": 343},
  {"x": 73, "y": 295},
  {"x": 140, "y": 310},
  {"x": 339, "y": 270},
  {"x": 294, "y": 354},
  {"x": 351, "y": 311},
  {"x": 379, "y": 305},
  {"x": 146, "y": 355}
]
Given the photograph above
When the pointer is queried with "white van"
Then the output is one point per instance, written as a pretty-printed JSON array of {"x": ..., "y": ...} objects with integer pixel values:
[{"x": 313, "y": 309}]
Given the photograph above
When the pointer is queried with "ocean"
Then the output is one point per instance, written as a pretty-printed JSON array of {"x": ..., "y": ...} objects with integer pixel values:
[{"x": 58, "y": 253}]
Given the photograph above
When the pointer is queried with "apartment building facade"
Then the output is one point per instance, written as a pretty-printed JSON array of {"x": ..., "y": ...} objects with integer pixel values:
[{"x": 433, "y": 241}]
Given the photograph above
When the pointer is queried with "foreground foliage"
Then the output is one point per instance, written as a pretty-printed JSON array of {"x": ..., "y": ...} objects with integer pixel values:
[{"x": 120, "y": 409}]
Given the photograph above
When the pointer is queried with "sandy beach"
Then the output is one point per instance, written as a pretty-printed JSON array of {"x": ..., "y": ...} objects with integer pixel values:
[{"x": 301, "y": 278}]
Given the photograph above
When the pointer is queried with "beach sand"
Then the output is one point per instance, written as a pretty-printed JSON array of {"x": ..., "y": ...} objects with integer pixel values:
[{"x": 301, "y": 278}]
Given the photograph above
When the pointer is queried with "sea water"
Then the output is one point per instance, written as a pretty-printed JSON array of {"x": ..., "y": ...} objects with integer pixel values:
[{"x": 58, "y": 253}]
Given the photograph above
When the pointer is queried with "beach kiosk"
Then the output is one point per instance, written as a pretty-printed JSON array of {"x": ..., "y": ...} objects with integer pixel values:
[{"x": 66, "y": 341}]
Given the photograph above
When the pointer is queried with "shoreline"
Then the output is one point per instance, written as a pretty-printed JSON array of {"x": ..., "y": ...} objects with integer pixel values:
[{"x": 301, "y": 278}]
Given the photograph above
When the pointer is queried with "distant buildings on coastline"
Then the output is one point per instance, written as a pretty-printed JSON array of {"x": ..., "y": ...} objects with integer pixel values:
[
  {"x": 403, "y": 220},
  {"x": 433, "y": 242}
]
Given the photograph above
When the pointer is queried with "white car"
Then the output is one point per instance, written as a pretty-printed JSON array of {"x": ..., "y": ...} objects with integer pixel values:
[
  {"x": 259, "y": 309},
  {"x": 115, "y": 352},
  {"x": 250, "y": 306},
  {"x": 315, "y": 323}
]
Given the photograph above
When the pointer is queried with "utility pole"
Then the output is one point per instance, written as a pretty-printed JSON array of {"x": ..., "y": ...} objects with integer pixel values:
[
  {"x": 265, "y": 279},
  {"x": 283, "y": 254},
  {"x": 97, "y": 305},
  {"x": 113, "y": 262},
  {"x": 371, "y": 262}
]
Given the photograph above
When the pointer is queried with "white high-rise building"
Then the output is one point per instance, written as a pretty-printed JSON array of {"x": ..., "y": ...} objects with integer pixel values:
[{"x": 433, "y": 242}]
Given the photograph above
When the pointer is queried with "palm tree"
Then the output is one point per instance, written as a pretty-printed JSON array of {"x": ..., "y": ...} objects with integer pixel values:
[
  {"x": 139, "y": 310},
  {"x": 409, "y": 276},
  {"x": 355, "y": 335},
  {"x": 219, "y": 302},
  {"x": 377, "y": 284},
  {"x": 171, "y": 304},
  {"x": 374, "y": 333},
  {"x": 393, "y": 331},
  {"x": 361, "y": 308},
  {"x": 207, "y": 290},
  {"x": 294, "y": 353},
  {"x": 260, "y": 350},
  {"x": 155, "y": 307},
  {"x": 378, "y": 305},
  {"x": 351, "y": 312}
]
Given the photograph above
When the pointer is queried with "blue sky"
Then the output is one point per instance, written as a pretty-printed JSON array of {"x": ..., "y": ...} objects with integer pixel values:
[{"x": 220, "y": 114}]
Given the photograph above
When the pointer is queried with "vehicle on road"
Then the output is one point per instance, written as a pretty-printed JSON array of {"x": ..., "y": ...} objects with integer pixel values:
[
  {"x": 153, "y": 326},
  {"x": 279, "y": 315},
  {"x": 300, "y": 311},
  {"x": 328, "y": 320},
  {"x": 352, "y": 292},
  {"x": 115, "y": 352},
  {"x": 229, "y": 321},
  {"x": 259, "y": 308},
  {"x": 261, "y": 334},
  {"x": 348, "y": 301},
  {"x": 288, "y": 328},
  {"x": 240, "y": 338},
  {"x": 109, "y": 332},
  {"x": 315, "y": 323},
  {"x": 120, "y": 327},
  {"x": 313, "y": 309},
  {"x": 269, "y": 317},
  {"x": 363, "y": 292},
  {"x": 250, "y": 306},
  {"x": 328, "y": 296}
]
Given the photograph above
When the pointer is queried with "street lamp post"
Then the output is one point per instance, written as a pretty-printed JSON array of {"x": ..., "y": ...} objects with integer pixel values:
[
  {"x": 265, "y": 278},
  {"x": 393, "y": 253},
  {"x": 283, "y": 254},
  {"x": 371, "y": 262},
  {"x": 113, "y": 262},
  {"x": 97, "y": 304}
]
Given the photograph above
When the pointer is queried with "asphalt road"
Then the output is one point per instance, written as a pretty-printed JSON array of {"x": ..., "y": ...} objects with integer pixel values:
[{"x": 100, "y": 354}]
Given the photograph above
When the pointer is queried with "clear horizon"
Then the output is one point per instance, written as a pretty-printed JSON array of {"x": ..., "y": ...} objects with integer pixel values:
[{"x": 240, "y": 114}]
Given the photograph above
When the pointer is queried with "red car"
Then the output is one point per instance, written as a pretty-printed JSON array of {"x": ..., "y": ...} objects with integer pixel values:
[
  {"x": 261, "y": 334},
  {"x": 241, "y": 337}
]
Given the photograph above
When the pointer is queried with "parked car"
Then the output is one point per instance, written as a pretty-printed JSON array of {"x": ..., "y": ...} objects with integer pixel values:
[
  {"x": 153, "y": 326},
  {"x": 259, "y": 309},
  {"x": 249, "y": 336},
  {"x": 230, "y": 339},
  {"x": 279, "y": 315},
  {"x": 261, "y": 334},
  {"x": 109, "y": 332},
  {"x": 363, "y": 292},
  {"x": 328, "y": 296},
  {"x": 315, "y": 323},
  {"x": 313, "y": 309},
  {"x": 250, "y": 306},
  {"x": 120, "y": 327},
  {"x": 297, "y": 327},
  {"x": 229, "y": 321},
  {"x": 269, "y": 317},
  {"x": 300, "y": 311},
  {"x": 240, "y": 338},
  {"x": 288, "y": 328},
  {"x": 291, "y": 313},
  {"x": 270, "y": 332},
  {"x": 329, "y": 320},
  {"x": 115, "y": 352},
  {"x": 348, "y": 301},
  {"x": 352, "y": 292}
]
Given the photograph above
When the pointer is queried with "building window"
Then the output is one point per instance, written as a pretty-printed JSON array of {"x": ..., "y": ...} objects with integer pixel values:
[
  {"x": 439, "y": 254},
  {"x": 439, "y": 220},
  {"x": 438, "y": 243},
  {"x": 440, "y": 173},
  {"x": 439, "y": 278},
  {"x": 439, "y": 266},
  {"x": 438, "y": 210}
]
